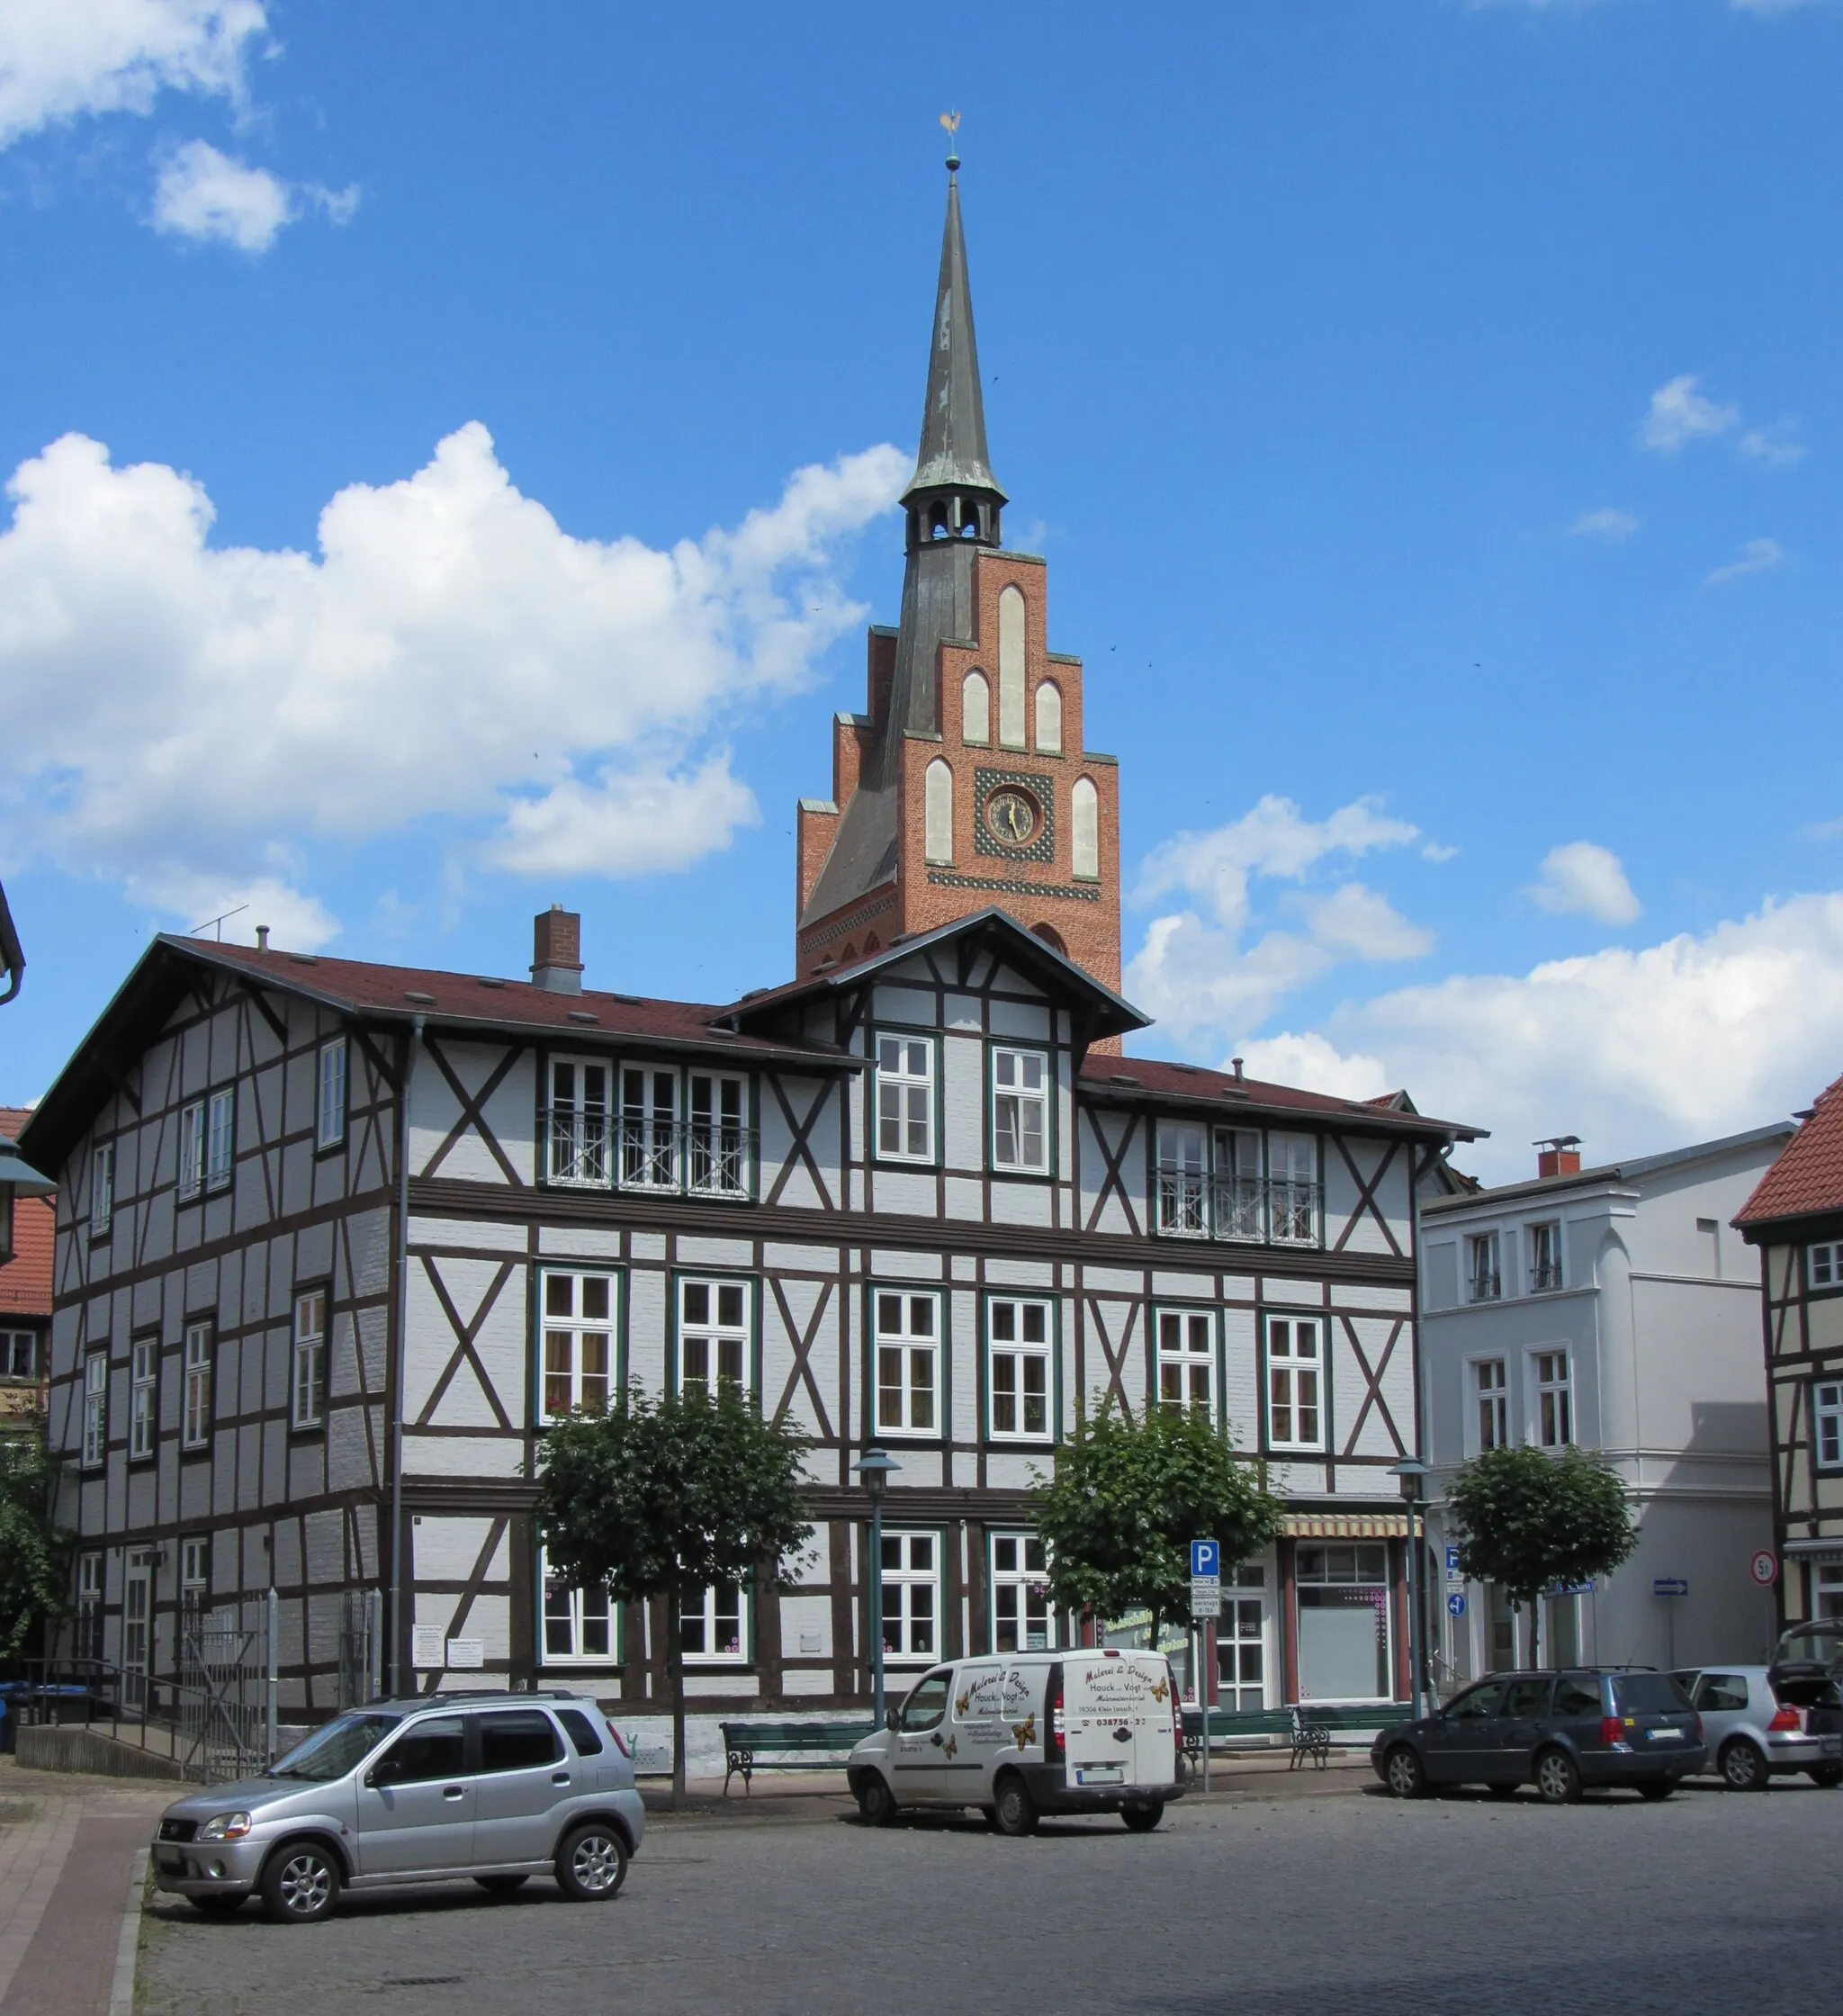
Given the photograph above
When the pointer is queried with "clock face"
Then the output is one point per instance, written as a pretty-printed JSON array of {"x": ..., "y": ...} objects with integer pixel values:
[{"x": 1011, "y": 816}]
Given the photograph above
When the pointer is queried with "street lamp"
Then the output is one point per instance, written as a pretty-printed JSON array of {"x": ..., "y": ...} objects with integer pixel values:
[
  {"x": 875, "y": 1469},
  {"x": 1411, "y": 1473}
]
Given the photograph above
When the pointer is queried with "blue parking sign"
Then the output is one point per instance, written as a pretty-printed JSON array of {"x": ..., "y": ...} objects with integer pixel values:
[
  {"x": 1455, "y": 1605},
  {"x": 1206, "y": 1559}
]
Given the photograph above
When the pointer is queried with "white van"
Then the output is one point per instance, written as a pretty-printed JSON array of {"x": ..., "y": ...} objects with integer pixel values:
[{"x": 1026, "y": 1733}]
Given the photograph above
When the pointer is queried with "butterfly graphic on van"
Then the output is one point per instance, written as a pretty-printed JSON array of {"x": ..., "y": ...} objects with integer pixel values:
[
  {"x": 1160, "y": 1691},
  {"x": 950, "y": 1746},
  {"x": 1024, "y": 1732}
]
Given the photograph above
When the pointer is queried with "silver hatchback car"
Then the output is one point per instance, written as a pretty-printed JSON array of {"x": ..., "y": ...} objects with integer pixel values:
[
  {"x": 500, "y": 1788},
  {"x": 1753, "y": 1736}
]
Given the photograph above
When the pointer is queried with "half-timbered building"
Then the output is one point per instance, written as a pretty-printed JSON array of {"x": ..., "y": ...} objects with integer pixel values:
[{"x": 336, "y": 1240}]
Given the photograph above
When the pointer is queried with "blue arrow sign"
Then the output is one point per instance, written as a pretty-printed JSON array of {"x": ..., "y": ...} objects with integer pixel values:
[
  {"x": 1206, "y": 1559},
  {"x": 1671, "y": 1584},
  {"x": 1455, "y": 1605}
]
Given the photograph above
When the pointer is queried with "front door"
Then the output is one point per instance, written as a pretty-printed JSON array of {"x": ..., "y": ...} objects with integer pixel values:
[
  {"x": 137, "y": 1625},
  {"x": 918, "y": 1761},
  {"x": 1456, "y": 1744},
  {"x": 415, "y": 1803},
  {"x": 525, "y": 1774},
  {"x": 979, "y": 1727}
]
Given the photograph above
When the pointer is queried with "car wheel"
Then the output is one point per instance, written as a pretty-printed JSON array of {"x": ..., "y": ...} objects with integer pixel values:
[
  {"x": 1743, "y": 1768},
  {"x": 1015, "y": 1811},
  {"x": 1655, "y": 1789},
  {"x": 1143, "y": 1818},
  {"x": 300, "y": 1885},
  {"x": 502, "y": 1885},
  {"x": 877, "y": 1804},
  {"x": 218, "y": 1903},
  {"x": 592, "y": 1863},
  {"x": 1829, "y": 1775},
  {"x": 1558, "y": 1778},
  {"x": 1404, "y": 1773}
]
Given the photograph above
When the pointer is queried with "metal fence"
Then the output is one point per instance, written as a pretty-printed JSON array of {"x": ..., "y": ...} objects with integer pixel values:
[{"x": 226, "y": 1690}]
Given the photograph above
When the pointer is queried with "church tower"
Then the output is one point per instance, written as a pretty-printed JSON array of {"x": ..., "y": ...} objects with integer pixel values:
[{"x": 964, "y": 785}]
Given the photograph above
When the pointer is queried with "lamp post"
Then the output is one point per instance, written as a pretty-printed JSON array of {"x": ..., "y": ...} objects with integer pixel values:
[
  {"x": 875, "y": 1469},
  {"x": 1411, "y": 1473}
]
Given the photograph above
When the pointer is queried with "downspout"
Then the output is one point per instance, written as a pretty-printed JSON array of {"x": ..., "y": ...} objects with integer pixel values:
[{"x": 398, "y": 1371}]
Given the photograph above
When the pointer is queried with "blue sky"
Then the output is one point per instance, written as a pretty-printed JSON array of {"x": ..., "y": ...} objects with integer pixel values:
[{"x": 450, "y": 453}]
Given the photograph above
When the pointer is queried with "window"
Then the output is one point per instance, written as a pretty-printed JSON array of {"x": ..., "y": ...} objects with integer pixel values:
[
  {"x": 975, "y": 709},
  {"x": 1021, "y": 1111},
  {"x": 19, "y": 1357},
  {"x": 330, "y": 1104},
  {"x": 1011, "y": 668},
  {"x": 143, "y": 1397},
  {"x": 1708, "y": 1233},
  {"x": 1049, "y": 718},
  {"x": 904, "y": 1099},
  {"x": 1021, "y": 1621},
  {"x": 1545, "y": 1257},
  {"x": 712, "y": 1335},
  {"x": 195, "y": 1411},
  {"x": 711, "y": 1623},
  {"x": 1483, "y": 1282},
  {"x": 937, "y": 812},
  {"x": 1293, "y": 1385},
  {"x": 1241, "y": 1654},
  {"x": 102, "y": 1190},
  {"x": 432, "y": 1748},
  {"x": 1827, "y": 1593},
  {"x": 220, "y": 1138},
  {"x": 648, "y": 1115},
  {"x": 1186, "y": 1362},
  {"x": 1184, "y": 1181},
  {"x": 1240, "y": 1196},
  {"x": 1084, "y": 831},
  {"x": 908, "y": 1363},
  {"x": 1824, "y": 1265},
  {"x": 95, "y": 1409},
  {"x": 1494, "y": 1403},
  {"x": 579, "y": 1342},
  {"x": 195, "y": 1571},
  {"x": 578, "y": 1122},
  {"x": 89, "y": 1605},
  {"x": 911, "y": 1595},
  {"x": 518, "y": 1739},
  {"x": 578, "y": 1624},
  {"x": 1554, "y": 1400},
  {"x": 1018, "y": 1356},
  {"x": 309, "y": 1381},
  {"x": 581, "y": 1733},
  {"x": 926, "y": 1707},
  {"x": 1827, "y": 1423},
  {"x": 1292, "y": 1203},
  {"x": 1343, "y": 1623},
  {"x": 718, "y": 1135},
  {"x": 192, "y": 1150}
]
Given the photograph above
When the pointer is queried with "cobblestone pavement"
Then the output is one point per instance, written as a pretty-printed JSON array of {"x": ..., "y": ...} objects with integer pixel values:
[{"x": 1313, "y": 1905}]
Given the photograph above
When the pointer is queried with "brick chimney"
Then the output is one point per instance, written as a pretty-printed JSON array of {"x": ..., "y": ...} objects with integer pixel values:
[
  {"x": 1559, "y": 1157},
  {"x": 557, "y": 956}
]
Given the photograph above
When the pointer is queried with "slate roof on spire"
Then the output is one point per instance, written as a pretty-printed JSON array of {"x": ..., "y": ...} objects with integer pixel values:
[{"x": 953, "y": 453}]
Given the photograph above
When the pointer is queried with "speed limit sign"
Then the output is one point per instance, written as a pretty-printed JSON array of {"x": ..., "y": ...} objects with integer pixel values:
[{"x": 1765, "y": 1568}]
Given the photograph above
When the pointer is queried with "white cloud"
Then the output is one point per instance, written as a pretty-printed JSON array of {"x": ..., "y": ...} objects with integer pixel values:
[
  {"x": 178, "y": 714},
  {"x": 1313, "y": 1065},
  {"x": 204, "y": 195},
  {"x": 1757, "y": 556},
  {"x": 1610, "y": 525},
  {"x": 62, "y": 58},
  {"x": 1581, "y": 879},
  {"x": 1776, "y": 446},
  {"x": 1679, "y": 414}
]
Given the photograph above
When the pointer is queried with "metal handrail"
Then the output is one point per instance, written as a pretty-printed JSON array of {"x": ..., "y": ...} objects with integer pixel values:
[
  {"x": 1255, "y": 1210},
  {"x": 587, "y": 1149}
]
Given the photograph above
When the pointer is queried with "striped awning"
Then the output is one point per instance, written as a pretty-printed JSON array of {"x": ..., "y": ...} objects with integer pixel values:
[{"x": 1346, "y": 1526}]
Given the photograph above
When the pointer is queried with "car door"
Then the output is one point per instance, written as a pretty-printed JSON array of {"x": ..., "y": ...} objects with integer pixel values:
[
  {"x": 1720, "y": 1700},
  {"x": 526, "y": 1772},
  {"x": 1522, "y": 1721},
  {"x": 921, "y": 1735},
  {"x": 415, "y": 1803},
  {"x": 978, "y": 1730},
  {"x": 1457, "y": 1739}
]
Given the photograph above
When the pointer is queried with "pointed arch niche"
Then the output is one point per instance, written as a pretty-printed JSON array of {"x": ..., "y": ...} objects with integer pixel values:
[
  {"x": 975, "y": 708},
  {"x": 1085, "y": 830},
  {"x": 1049, "y": 718},
  {"x": 1011, "y": 668},
  {"x": 938, "y": 795}
]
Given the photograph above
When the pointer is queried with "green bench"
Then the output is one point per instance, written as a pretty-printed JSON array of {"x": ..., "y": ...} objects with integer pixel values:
[
  {"x": 793, "y": 1746},
  {"x": 1308, "y": 1740}
]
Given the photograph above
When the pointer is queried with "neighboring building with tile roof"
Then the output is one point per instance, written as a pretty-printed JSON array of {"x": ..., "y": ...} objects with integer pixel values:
[{"x": 25, "y": 1286}]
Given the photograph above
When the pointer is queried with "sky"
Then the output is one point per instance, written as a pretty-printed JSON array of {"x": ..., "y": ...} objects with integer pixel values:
[{"x": 450, "y": 460}]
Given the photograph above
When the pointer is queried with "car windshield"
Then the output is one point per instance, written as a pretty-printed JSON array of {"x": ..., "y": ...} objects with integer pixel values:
[
  {"x": 332, "y": 1752},
  {"x": 1650, "y": 1694}
]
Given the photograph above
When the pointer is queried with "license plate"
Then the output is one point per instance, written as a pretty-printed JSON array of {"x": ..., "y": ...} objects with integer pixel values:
[
  {"x": 1665, "y": 1736},
  {"x": 1831, "y": 1746},
  {"x": 1101, "y": 1774},
  {"x": 169, "y": 1858}
]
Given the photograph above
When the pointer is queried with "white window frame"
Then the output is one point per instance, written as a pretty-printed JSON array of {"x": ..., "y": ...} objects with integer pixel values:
[
  {"x": 195, "y": 1571},
  {"x": 652, "y": 1099},
  {"x": 1824, "y": 1266},
  {"x": 1185, "y": 1349},
  {"x": 1019, "y": 1352},
  {"x": 220, "y": 1139},
  {"x": 192, "y": 1150},
  {"x": 720, "y": 1337},
  {"x": 1547, "y": 1388},
  {"x": 577, "y": 1121},
  {"x": 307, "y": 1359},
  {"x": 330, "y": 1092},
  {"x": 143, "y": 1398},
  {"x": 1183, "y": 1179},
  {"x": 572, "y": 1335},
  {"x": 1238, "y": 1183},
  {"x": 906, "y": 1067},
  {"x": 1014, "y": 1582},
  {"x": 1484, "y": 1283},
  {"x": 1014, "y": 1102},
  {"x": 717, "y": 1159},
  {"x": 195, "y": 1395},
  {"x": 1538, "y": 1285},
  {"x": 1295, "y": 1382},
  {"x": 1294, "y": 1216},
  {"x": 573, "y": 1610},
  {"x": 906, "y": 1341},
  {"x": 1238, "y": 1596},
  {"x": 19, "y": 1356},
  {"x": 102, "y": 1189},
  {"x": 712, "y": 1619},
  {"x": 1490, "y": 1397},
  {"x": 903, "y": 1623},
  {"x": 1827, "y": 1423},
  {"x": 96, "y": 1409},
  {"x": 91, "y": 1595}
]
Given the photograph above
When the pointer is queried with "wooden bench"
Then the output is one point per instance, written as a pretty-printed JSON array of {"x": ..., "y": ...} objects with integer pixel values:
[
  {"x": 1309, "y": 1741},
  {"x": 795, "y": 1746}
]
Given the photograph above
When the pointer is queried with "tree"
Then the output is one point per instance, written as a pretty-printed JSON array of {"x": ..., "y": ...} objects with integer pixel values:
[
  {"x": 662, "y": 1496},
  {"x": 1529, "y": 1522},
  {"x": 1126, "y": 1500},
  {"x": 33, "y": 1552}
]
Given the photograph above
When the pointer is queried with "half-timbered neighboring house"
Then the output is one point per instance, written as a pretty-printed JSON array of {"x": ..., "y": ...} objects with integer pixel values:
[{"x": 335, "y": 1240}]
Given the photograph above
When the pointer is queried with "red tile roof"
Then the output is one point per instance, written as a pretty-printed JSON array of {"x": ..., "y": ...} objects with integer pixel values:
[
  {"x": 1807, "y": 1178},
  {"x": 25, "y": 1280},
  {"x": 1121, "y": 1077}
]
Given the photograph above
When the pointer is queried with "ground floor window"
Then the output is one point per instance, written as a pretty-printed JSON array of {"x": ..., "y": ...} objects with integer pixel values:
[
  {"x": 195, "y": 1571},
  {"x": 1344, "y": 1638},
  {"x": 89, "y": 1605},
  {"x": 1500, "y": 1631},
  {"x": 1021, "y": 1618},
  {"x": 1241, "y": 1644},
  {"x": 911, "y": 1595},
  {"x": 713, "y": 1622},
  {"x": 578, "y": 1624},
  {"x": 1827, "y": 1592}
]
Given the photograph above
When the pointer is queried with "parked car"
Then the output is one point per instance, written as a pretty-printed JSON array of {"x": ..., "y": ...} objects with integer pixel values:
[
  {"x": 495, "y": 1787},
  {"x": 1807, "y": 1669},
  {"x": 1564, "y": 1732},
  {"x": 1019, "y": 1736},
  {"x": 1752, "y": 1735}
]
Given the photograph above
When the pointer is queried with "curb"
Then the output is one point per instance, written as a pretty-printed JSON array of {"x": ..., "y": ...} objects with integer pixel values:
[{"x": 122, "y": 1990}]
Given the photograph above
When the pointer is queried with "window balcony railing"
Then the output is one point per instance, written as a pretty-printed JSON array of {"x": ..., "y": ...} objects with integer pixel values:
[
  {"x": 1487, "y": 1287},
  {"x": 588, "y": 1150},
  {"x": 1545, "y": 1277},
  {"x": 1258, "y": 1210}
]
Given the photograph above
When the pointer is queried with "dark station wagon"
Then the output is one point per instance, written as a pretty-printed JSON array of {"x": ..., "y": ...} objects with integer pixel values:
[{"x": 1564, "y": 1732}]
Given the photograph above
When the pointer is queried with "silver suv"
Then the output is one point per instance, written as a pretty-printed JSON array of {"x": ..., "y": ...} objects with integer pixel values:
[{"x": 499, "y": 1788}]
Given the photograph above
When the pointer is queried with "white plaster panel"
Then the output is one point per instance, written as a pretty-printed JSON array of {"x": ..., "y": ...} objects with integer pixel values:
[
  {"x": 963, "y": 1105},
  {"x": 1172, "y": 1287},
  {"x": 578, "y": 1242},
  {"x": 800, "y": 1259},
  {"x": 1007, "y": 1472},
  {"x": 967, "y": 1329},
  {"x": 966, "y": 1199},
  {"x": 805, "y": 1627},
  {"x": 1004, "y": 1272},
  {"x": 1278, "y": 1292},
  {"x": 898, "y": 1263},
  {"x": 447, "y": 1547},
  {"x": 1023, "y": 1021},
  {"x": 646, "y": 1246},
  {"x": 742, "y": 1686},
  {"x": 1297, "y": 1480},
  {"x": 965, "y": 1268},
  {"x": 733, "y": 1256},
  {"x": 427, "y": 1454},
  {"x": 647, "y": 1295},
  {"x": 907, "y": 1192},
  {"x": 1366, "y": 1295},
  {"x": 1022, "y": 1203},
  {"x": 487, "y": 1238},
  {"x": 1116, "y": 1280},
  {"x": 963, "y": 1011},
  {"x": 910, "y": 1005},
  {"x": 809, "y": 1567},
  {"x": 812, "y": 1680}
]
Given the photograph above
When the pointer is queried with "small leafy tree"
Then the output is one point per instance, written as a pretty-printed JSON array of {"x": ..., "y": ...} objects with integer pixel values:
[
  {"x": 660, "y": 1497},
  {"x": 1128, "y": 1498},
  {"x": 33, "y": 1553},
  {"x": 1529, "y": 1522}
]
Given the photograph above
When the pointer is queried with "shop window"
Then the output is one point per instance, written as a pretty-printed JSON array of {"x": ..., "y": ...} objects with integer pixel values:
[{"x": 1344, "y": 1634}]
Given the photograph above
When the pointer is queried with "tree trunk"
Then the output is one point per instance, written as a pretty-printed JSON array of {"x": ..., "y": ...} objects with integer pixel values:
[
  {"x": 1535, "y": 1631},
  {"x": 675, "y": 1673}
]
